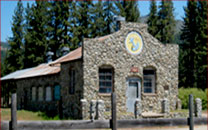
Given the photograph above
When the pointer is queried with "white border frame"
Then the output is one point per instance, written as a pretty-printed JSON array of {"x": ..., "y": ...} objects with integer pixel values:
[{"x": 141, "y": 44}]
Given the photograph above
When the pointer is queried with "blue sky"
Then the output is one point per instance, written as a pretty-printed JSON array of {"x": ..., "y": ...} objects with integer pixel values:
[{"x": 7, "y": 11}]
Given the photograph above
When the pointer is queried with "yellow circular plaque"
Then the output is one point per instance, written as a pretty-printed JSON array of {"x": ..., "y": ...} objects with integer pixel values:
[{"x": 134, "y": 43}]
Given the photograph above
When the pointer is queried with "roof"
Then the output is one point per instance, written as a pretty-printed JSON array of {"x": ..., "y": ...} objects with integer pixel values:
[
  {"x": 44, "y": 69},
  {"x": 74, "y": 55}
]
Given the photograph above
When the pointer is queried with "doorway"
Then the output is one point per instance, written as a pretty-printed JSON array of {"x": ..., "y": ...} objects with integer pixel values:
[{"x": 133, "y": 92}]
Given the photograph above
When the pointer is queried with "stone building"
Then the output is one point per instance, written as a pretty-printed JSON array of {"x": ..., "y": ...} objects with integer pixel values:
[{"x": 130, "y": 62}]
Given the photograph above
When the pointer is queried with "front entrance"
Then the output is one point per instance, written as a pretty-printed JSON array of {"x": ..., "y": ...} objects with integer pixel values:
[{"x": 133, "y": 92}]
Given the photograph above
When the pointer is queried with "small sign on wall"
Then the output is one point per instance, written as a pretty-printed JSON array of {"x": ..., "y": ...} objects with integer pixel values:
[{"x": 134, "y": 69}]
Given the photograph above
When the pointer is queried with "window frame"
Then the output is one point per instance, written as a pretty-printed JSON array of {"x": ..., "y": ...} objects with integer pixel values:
[
  {"x": 34, "y": 94},
  {"x": 51, "y": 98},
  {"x": 55, "y": 92},
  {"x": 153, "y": 81},
  {"x": 72, "y": 80},
  {"x": 106, "y": 81}
]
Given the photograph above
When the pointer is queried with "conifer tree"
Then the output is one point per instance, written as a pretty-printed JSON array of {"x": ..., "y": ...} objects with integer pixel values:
[
  {"x": 80, "y": 19},
  {"x": 109, "y": 13},
  {"x": 189, "y": 37},
  {"x": 98, "y": 24},
  {"x": 14, "y": 59},
  {"x": 201, "y": 47},
  {"x": 166, "y": 22},
  {"x": 84, "y": 19},
  {"x": 36, "y": 34},
  {"x": 56, "y": 27},
  {"x": 153, "y": 19},
  {"x": 74, "y": 27},
  {"x": 129, "y": 10},
  {"x": 66, "y": 24}
]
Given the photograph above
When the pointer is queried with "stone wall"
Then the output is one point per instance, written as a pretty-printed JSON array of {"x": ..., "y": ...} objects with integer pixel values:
[
  {"x": 24, "y": 93},
  {"x": 72, "y": 102},
  {"x": 110, "y": 50}
]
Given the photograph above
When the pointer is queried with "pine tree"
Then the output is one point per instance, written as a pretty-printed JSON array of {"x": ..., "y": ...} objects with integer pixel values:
[
  {"x": 66, "y": 25},
  {"x": 98, "y": 20},
  {"x": 74, "y": 27},
  {"x": 187, "y": 70},
  {"x": 153, "y": 19},
  {"x": 201, "y": 47},
  {"x": 36, "y": 34},
  {"x": 56, "y": 27},
  {"x": 81, "y": 24},
  {"x": 109, "y": 13},
  {"x": 129, "y": 10},
  {"x": 14, "y": 60},
  {"x": 166, "y": 22},
  {"x": 84, "y": 19}
]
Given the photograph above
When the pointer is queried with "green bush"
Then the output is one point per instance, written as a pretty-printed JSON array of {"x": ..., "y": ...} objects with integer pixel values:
[{"x": 197, "y": 93}]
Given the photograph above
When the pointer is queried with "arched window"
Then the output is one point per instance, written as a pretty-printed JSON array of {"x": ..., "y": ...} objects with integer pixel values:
[
  {"x": 106, "y": 79},
  {"x": 33, "y": 93},
  {"x": 40, "y": 94},
  {"x": 57, "y": 92},
  {"x": 48, "y": 93},
  {"x": 72, "y": 81},
  {"x": 149, "y": 75}
]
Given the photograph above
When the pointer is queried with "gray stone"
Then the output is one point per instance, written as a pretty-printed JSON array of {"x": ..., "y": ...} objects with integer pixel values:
[
  {"x": 100, "y": 110},
  {"x": 165, "y": 106},
  {"x": 84, "y": 109},
  {"x": 178, "y": 106},
  {"x": 198, "y": 107},
  {"x": 138, "y": 108},
  {"x": 92, "y": 110}
]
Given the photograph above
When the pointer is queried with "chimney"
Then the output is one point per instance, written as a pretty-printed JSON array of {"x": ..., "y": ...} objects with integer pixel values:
[
  {"x": 118, "y": 20},
  {"x": 49, "y": 55}
]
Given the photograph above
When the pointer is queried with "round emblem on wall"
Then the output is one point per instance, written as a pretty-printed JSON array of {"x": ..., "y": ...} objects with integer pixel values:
[{"x": 134, "y": 43}]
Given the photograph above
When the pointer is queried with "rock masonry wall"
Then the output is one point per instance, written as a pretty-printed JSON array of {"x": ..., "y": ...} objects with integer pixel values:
[
  {"x": 110, "y": 50},
  {"x": 71, "y": 102},
  {"x": 24, "y": 93}
]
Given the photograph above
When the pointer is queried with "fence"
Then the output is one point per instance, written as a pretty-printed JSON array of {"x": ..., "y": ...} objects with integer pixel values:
[{"x": 100, "y": 124}]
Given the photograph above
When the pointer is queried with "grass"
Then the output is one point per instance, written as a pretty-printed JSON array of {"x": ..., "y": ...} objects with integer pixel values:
[
  {"x": 186, "y": 110},
  {"x": 25, "y": 115}
]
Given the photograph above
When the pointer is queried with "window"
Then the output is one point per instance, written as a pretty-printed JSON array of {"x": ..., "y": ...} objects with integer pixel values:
[
  {"x": 40, "y": 94},
  {"x": 72, "y": 82},
  {"x": 33, "y": 93},
  {"x": 105, "y": 80},
  {"x": 57, "y": 93},
  {"x": 149, "y": 80},
  {"x": 48, "y": 94}
]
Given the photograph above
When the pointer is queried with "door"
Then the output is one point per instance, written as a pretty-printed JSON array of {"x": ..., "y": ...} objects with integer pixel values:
[{"x": 133, "y": 92}]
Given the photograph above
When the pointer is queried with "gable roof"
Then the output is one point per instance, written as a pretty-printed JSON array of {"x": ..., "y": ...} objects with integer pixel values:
[
  {"x": 74, "y": 55},
  {"x": 46, "y": 68}
]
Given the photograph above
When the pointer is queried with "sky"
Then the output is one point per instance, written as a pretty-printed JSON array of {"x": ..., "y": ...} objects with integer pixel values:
[{"x": 8, "y": 7}]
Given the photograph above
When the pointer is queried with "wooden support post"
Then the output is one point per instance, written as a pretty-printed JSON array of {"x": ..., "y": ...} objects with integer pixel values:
[
  {"x": 113, "y": 110},
  {"x": 13, "y": 124},
  {"x": 190, "y": 119}
]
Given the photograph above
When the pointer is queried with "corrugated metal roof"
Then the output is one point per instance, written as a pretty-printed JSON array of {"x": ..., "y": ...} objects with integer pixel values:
[
  {"x": 15, "y": 74},
  {"x": 75, "y": 54},
  {"x": 44, "y": 69}
]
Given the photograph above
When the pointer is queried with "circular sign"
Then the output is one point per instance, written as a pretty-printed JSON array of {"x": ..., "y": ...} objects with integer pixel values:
[{"x": 134, "y": 43}]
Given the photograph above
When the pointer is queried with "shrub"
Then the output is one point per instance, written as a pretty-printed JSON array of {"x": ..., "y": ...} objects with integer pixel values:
[{"x": 197, "y": 93}]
